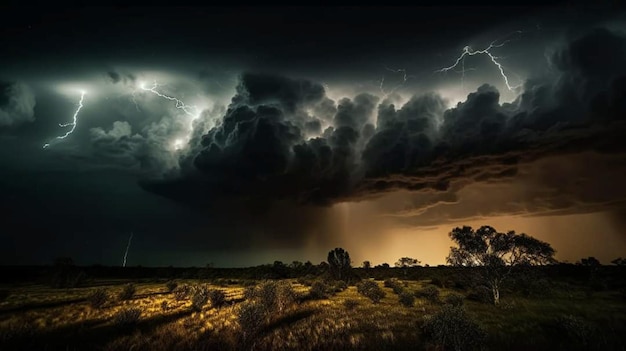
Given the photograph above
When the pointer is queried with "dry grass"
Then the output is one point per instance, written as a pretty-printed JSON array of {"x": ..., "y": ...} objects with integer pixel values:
[{"x": 35, "y": 317}]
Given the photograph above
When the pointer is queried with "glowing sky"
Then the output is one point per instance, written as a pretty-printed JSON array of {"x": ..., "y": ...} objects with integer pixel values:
[{"x": 243, "y": 136}]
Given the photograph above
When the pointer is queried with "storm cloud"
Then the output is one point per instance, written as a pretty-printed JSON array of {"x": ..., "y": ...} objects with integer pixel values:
[
  {"x": 17, "y": 104},
  {"x": 260, "y": 148}
]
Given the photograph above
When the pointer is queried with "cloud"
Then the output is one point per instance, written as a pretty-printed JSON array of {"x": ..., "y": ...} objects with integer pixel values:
[
  {"x": 17, "y": 104},
  {"x": 125, "y": 78},
  {"x": 262, "y": 150}
]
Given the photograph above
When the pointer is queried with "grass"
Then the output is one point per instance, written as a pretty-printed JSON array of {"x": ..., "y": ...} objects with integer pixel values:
[{"x": 36, "y": 317}]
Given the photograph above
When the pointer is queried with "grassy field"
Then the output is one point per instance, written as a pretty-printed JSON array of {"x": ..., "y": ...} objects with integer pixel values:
[{"x": 35, "y": 317}]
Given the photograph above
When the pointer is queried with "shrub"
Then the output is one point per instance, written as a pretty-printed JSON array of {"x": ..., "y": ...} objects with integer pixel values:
[
  {"x": 165, "y": 306},
  {"x": 407, "y": 299},
  {"x": 430, "y": 293},
  {"x": 340, "y": 286},
  {"x": 455, "y": 300},
  {"x": 182, "y": 292},
  {"x": 452, "y": 328},
  {"x": 273, "y": 296},
  {"x": 577, "y": 330},
  {"x": 98, "y": 298},
  {"x": 285, "y": 297},
  {"x": 371, "y": 290},
  {"x": 350, "y": 304},
  {"x": 217, "y": 298},
  {"x": 394, "y": 284},
  {"x": 251, "y": 316},
  {"x": 171, "y": 285},
  {"x": 318, "y": 290},
  {"x": 128, "y": 291},
  {"x": 438, "y": 282},
  {"x": 199, "y": 298},
  {"x": 127, "y": 317}
]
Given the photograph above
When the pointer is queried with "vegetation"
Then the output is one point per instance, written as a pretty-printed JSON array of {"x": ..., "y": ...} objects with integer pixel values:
[
  {"x": 496, "y": 254},
  {"x": 542, "y": 306}
]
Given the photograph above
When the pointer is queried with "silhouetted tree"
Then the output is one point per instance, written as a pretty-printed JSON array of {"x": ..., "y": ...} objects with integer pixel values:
[
  {"x": 407, "y": 262},
  {"x": 339, "y": 263},
  {"x": 367, "y": 264},
  {"x": 496, "y": 253},
  {"x": 619, "y": 261},
  {"x": 589, "y": 262}
]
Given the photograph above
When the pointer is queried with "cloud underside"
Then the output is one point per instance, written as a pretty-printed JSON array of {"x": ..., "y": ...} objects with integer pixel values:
[{"x": 283, "y": 139}]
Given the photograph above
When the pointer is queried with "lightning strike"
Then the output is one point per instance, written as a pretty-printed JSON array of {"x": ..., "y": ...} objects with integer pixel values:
[
  {"x": 74, "y": 120},
  {"x": 467, "y": 51},
  {"x": 405, "y": 78},
  {"x": 127, "y": 248},
  {"x": 189, "y": 110}
]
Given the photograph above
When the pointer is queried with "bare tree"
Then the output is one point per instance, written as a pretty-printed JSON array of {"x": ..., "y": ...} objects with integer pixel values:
[{"x": 495, "y": 254}]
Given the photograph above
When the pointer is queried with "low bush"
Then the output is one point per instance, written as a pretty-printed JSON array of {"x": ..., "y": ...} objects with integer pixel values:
[
  {"x": 182, "y": 292},
  {"x": 406, "y": 299},
  {"x": 98, "y": 298},
  {"x": 199, "y": 298},
  {"x": 318, "y": 290},
  {"x": 430, "y": 293},
  {"x": 251, "y": 316},
  {"x": 371, "y": 290},
  {"x": 171, "y": 285},
  {"x": 451, "y": 328},
  {"x": 128, "y": 291},
  {"x": 217, "y": 298},
  {"x": 127, "y": 317}
]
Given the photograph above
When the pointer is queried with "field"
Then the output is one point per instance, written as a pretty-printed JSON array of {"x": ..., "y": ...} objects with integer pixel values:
[{"x": 293, "y": 315}]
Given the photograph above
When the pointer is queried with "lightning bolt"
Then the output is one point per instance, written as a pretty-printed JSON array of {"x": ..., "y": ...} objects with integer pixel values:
[
  {"x": 405, "y": 78},
  {"x": 73, "y": 123},
  {"x": 127, "y": 248},
  {"x": 467, "y": 51},
  {"x": 189, "y": 110}
]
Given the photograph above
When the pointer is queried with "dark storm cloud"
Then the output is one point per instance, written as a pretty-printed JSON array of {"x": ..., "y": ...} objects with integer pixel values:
[
  {"x": 117, "y": 77},
  {"x": 17, "y": 104},
  {"x": 260, "y": 151}
]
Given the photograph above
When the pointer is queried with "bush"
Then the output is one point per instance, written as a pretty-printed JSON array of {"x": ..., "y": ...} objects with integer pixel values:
[
  {"x": 430, "y": 293},
  {"x": 273, "y": 296},
  {"x": 455, "y": 300},
  {"x": 128, "y": 291},
  {"x": 165, "y": 306},
  {"x": 407, "y": 299},
  {"x": 182, "y": 292},
  {"x": 171, "y": 285},
  {"x": 340, "y": 286},
  {"x": 251, "y": 316},
  {"x": 199, "y": 298},
  {"x": 438, "y": 282},
  {"x": 452, "y": 328},
  {"x": 98, "y": 298},
  {"x": 578, "y": 331},
  {"x": 127, "y": 317},
  {"x": 318, "y": 290},
  {"x": 371, "y": 290},
  {"x": 217, "y": 298},
  {"x": 350, "y": 304},
  {"x": 395, "y": 285}
]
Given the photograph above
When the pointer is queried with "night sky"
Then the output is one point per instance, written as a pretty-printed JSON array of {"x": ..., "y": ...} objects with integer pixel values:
[{"x": 240, "y": 136}]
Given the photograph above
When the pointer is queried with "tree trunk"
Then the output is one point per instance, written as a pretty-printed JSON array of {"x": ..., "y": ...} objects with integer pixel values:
[{"x": 496, "y": 295}]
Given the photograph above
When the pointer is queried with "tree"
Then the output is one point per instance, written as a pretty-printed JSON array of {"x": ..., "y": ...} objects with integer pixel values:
[
  {"x": 619, "y": 261},
  {"x": 339, "y": 263},
  {"x": 495, "y": 254},
  {"x": 407, "y": 262},
  {"x": 367, "y": 264},
  {"x": 589, "y": 262}
]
